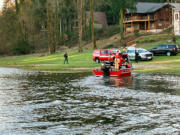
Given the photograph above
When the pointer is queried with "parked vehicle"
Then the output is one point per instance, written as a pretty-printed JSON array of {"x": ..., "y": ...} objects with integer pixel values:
[
  {"x": 104, "y": 55},
  {"x": 165, "y": 49},
  {"x": 143, "y": 53},
  {"x": 107, "y": 55}
]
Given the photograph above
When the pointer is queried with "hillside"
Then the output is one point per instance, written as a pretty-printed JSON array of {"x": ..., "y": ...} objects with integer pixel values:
[
  {"x": 145, "y": 40},
  {"x": 82, "y": 62}
]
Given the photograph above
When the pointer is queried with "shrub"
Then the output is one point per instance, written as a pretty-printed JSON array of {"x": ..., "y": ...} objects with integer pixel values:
[
  {"x": 110, "y": 46},
  {"x": 153, "y": 38},
  {"x": 136, "y": 33},
  {"x": 178, "y": 40},
  {"x": 107, "y": 32},
  {"x": 110, "y": 31},
  {"x": 98, "y": 33},
  {"x": 72, "y": 39},
  {"x": 144, "y": 40},
  {"x": 22, "y": 47}
]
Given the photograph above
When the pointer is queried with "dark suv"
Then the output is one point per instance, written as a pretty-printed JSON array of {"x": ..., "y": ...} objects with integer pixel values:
[{"x": 165, "y": 49}]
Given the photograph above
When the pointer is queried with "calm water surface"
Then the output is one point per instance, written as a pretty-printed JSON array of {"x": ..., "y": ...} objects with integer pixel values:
[{"x": 34, "y": 103}]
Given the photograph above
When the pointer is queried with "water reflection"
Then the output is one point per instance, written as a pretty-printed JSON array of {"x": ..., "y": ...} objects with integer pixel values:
[
  {"x": 118, "y": 81},
  {"x": 52, "y": 104}
]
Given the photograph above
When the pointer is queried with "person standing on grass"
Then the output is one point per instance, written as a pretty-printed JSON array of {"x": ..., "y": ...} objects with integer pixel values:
[
  {"x": 136, "y": 56},
  {"x": 66, "y": 58}
]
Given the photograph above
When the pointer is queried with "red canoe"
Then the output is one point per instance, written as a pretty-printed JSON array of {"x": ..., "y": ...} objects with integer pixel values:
[{"x": 113, "y": 72}]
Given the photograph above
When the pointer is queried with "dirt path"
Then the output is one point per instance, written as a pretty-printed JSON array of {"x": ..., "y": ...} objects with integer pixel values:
[
  {"x": 167, "y": 61},
  {"x": 157, "y": 65},
  {"x": 104, "y": 42}
]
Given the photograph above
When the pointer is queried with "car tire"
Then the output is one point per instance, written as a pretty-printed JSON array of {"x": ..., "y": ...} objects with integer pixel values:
[
  {"x": 151, "y": 59},
  {"x": 168, "y": 53},
  {"x": 97, "y": 60}
]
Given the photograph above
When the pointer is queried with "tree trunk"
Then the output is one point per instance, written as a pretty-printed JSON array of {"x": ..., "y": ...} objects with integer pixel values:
[
  {"x": 121, "y": 24},
  {"x": 53, "y": 40},
  {"x": 92, "y": 24},
  {"x": 85, "y": 28},
  {"x": 60, "y": 27},
  {"x": 17, "y": 6},
  {"x": 51, "y": 45},
  {"x": 21, "y": 2},
  {"x": 80, "y": 25},
  {"x": 48, "y": 25}
]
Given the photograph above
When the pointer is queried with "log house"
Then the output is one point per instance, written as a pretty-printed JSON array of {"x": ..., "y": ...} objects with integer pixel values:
[{"x": 148, "y": 17}]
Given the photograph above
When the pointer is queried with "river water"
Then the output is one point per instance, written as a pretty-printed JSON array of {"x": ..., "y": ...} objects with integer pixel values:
[{"x": 35, "y": 103}]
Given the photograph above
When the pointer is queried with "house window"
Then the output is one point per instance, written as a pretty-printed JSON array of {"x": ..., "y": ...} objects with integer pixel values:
[
  {"x": 176, "y": 16},
  {"x": 160, "y": 24},
  {"x": 160, "y": 15},
  {"x": 152, "y": 25},
  {"x": 128, "y": 25}
]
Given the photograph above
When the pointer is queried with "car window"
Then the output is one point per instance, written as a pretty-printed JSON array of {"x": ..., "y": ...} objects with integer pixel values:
[
  {"x": 130, "y": 51},
  {"x": 171, "y": 46},
  {"x": 162, "y": 47},
  {"x": 103, "y": 52},
  {"x": 106, "y": 51},
  {"x": 142, "y": 51},
  {"x": 115, "y": 51},
  {"x": 165, "y": 46},
  {"x": 109, "y": 52}
]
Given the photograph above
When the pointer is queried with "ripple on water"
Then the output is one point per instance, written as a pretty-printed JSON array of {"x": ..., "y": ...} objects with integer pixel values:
[
  {"x": 43, "y": 103},
  {"x": 139, "y": 110}
]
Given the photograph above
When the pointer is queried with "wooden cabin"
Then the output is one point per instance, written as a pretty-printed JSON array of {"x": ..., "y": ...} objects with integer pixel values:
[
  {"x": 100, "y": 20},
  {"x": 148, "y": 17}
]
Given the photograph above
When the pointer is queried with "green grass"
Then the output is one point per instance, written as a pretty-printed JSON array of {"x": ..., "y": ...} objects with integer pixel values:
[
  {"x": 153, "y": 41},
  {"x": 153, "y": 38},
  {"x": 79, "y": 62},
  {"x": 53, "y": 62},
  {"x": 150, "y": 46},
  {"x": 160, "y": 64},
  {"x": 178, "y": 41}
]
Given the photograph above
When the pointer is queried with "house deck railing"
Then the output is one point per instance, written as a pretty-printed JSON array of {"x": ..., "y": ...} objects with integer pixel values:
[{"x": 138, "y": 18}]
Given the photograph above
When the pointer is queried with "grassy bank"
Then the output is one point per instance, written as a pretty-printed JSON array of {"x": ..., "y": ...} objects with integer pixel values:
[
  {"x": 160, "y": 64},
  {"x": 52, "y": 63},
  {"x": 82, "y": 62}
]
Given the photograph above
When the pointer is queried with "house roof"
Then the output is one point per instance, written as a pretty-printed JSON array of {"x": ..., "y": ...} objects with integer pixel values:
[
  {"x": 99, "y": 18},
  {"x": 176, "y": 6},
  {"x": 147, "y": 7}
]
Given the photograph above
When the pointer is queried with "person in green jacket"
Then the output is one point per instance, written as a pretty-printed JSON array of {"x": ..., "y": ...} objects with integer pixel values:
[{"x": 66, "y": 58}]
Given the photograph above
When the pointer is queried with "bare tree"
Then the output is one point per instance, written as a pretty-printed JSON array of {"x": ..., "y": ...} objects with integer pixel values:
[
  {"x": 92, "y": 23},
  {"x": 80, "y": 28},
  {"x": 50, "y": 27}
]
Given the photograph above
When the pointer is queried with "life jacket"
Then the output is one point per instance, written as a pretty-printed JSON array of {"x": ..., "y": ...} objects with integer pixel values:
[
  {"x": 117, "y": 55},
  {"x": 121, "y": 60},
  {"x": 128, "y": 65}
]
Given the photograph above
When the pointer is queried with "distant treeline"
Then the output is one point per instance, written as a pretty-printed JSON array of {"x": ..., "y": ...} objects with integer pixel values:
[{"x": 28, "y": 26}]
